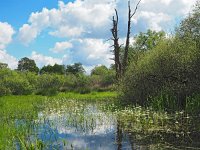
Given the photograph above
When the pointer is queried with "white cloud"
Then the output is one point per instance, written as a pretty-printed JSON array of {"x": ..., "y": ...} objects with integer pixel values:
[
  {"x": 86, "y": 24},
  {"x": 65, "y": 31},
  {"x": 91, "y": 52},
  {"x": 6, "y": 33},
  {"x": 92, "y": 18},
  {"x": 27, "y": 33},
  {"x": 69, "y": 20},
  {"x": 42, "y": 60},
  {"x": 154, "y": 14},
  {"x": 152, "y": 20},
  {"x": 61, "y": 47},
  {"x": 37, "y": 22},
  {"x": 170, "y": 7},
  {"x": 8, "y": 59}
]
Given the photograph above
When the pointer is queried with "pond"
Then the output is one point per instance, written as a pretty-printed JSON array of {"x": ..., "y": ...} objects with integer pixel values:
[
  {"x": 81, "y": 126},
  {"x": 103, "y": 125}
]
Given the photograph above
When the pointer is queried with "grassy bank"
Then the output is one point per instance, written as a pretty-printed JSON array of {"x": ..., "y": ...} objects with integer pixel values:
[
  {"x": 20, "y": 118},
  {"x": 88, "y": 96},
  {"x": 26, "y": 108}
]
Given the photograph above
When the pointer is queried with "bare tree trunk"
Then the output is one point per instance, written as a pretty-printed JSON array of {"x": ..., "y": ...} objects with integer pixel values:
[
  {"x": 116, "y": 50},
  {"x": 120, "y": 67},
  {"x": 127, "y": 39},
  {"x": 126, "y": 49},
  {"x": 119, "y": 135}
]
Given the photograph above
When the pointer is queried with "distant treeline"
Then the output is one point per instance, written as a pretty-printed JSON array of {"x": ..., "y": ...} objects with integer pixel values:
[{"x": 49, "y": 80}]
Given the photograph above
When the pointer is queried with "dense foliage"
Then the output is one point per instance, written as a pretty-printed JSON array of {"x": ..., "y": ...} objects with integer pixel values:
[
  {"x": 26, "y": 64},
  {"x": 53, "y": 79},
  {"x": 167, "y": 73},
  {"x": 59, "y": 69}
]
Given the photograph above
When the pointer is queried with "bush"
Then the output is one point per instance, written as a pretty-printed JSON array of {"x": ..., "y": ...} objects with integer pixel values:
[
  {"x": 4, "y": 91},
  {"x": 18, "y": 86},
  {"x": 48, "y": 84},
  {"x": 69, "y": 83},
  {"x": 82, "y": 84},
  {"x": 83, "y": 90},
  {"x": 14, "y": 83},
  {"x": 172, "y": 66}
]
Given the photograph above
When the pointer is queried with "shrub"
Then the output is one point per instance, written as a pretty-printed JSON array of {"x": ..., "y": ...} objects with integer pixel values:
[
  {"x": 4, "y": 91},
  {"x": 48, "y": 84},
  {"x": 18, "y": 86},
  {"x": 15, "y": 83},
  {"x": 172, "y": 66},
  {"x": 82, "y": 84}
]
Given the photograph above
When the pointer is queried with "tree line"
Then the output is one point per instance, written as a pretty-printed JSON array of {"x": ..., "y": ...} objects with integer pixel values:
[
  {"x": 27, "y": 64},
  {"x": 52, "y": 79}
]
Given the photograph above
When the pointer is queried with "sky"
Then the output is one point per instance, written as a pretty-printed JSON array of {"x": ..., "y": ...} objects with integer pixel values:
[{"x": 69, "y": 31}]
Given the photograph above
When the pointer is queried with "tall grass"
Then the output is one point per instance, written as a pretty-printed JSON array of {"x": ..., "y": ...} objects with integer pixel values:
[{"x": 21, "y": 119}]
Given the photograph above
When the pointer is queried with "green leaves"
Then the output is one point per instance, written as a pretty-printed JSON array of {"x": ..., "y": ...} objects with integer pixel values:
[
  {"x": 76, "y": 68},
  {"x": 57, "y": 69},
  {"x": 148, "y": 40},
  {"x": 26, "y": 64},
  {"x": 168, "y": 66}
]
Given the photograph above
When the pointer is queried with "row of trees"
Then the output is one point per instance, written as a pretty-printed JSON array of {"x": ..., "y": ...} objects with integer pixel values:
[
  {"x": 165, "y": 69},
  {"x": 54, "y": 79},
  {"x": 26, "y": 64}
]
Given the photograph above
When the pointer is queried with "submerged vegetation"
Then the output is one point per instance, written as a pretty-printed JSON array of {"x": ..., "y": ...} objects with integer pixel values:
[
  {"x": 58, "y": 122},
  {"x": 151, "y": 100}
]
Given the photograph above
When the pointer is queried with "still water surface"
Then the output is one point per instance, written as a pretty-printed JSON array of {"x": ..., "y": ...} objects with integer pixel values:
[{"x": 84, "y": 125}]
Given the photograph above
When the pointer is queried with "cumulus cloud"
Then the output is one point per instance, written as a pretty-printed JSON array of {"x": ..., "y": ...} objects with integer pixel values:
[
  {"x": 61, "y": 47},
  {"x": 91, "y": 52},
  {"x": 8, "y": 59},
  {"x": 92, "y": 18},
  {"x": 42, "y": 60},
  {"x": 66, "y": 31},
  {"x": 154, "y": 14},
  {"x": 69, "y": 20},
  {"x": 88, "y": 16},
  {"x": 27, "y": 33},
  {"x": 86, "y": 24},
  {"x": 170, "y": 7},
  {"x": 6, "y": 33},
  {"x": 151, "y": 20}
]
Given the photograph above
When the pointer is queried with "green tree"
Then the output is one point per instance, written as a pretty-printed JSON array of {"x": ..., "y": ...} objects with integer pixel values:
[
  {"x": 148, "y": 40},
  {"x": 76, "y": 68},
  {"x": 167, "y": 75},
  {"x": 13, "y": 82},
  {"x": 101, "y": 76},
  {"x": 99, "y": 70},
  {"x": 190, "y": 27},
  {"x": 26, "y": 64},
  {"x": 3, "y": 65},
  {"x": 48, "y": 84},
  {"x": 58, "y": 69}
]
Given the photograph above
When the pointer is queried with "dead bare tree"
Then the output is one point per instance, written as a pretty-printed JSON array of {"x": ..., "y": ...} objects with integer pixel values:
[
  {"x": 121, "y": 63},
  {"x": 126, "y": 49},
  {"x": 114, "y": 30}
]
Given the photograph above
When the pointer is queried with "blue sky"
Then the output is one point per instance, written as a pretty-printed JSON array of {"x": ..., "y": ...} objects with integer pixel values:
[
  {"x": 17, "y": 12},
  {"x": 64, "y": 32}
]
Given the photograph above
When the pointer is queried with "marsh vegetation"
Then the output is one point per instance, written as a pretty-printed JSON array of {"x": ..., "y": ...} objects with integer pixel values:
[
  {"x": 89, "y": 122},
  {"x": 148, "y": 99}
]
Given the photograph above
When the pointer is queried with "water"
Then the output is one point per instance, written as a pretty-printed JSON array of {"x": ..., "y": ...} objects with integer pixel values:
[
  {"x": 101, "y": 125},
  {"x": 83, "y": 127}
]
